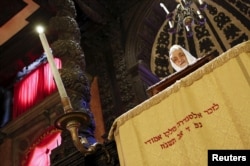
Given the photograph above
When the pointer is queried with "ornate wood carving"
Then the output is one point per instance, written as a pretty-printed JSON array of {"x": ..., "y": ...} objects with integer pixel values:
[
  {"x": 222, "y": 31},
  {"x": 67, "y": 48}
]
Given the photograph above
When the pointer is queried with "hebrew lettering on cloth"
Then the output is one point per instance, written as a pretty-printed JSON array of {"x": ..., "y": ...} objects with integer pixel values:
[{"x": 207, "y": 109}]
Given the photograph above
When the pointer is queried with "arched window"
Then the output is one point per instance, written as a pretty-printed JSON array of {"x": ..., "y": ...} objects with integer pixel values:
[{"x": 39, "y": 153}]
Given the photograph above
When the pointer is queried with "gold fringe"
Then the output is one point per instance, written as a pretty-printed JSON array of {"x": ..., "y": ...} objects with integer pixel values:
[{"x": 184, "y": 82}]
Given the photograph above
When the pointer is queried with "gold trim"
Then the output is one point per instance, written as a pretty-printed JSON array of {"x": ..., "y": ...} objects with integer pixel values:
[{"x": 186, "y": 81}]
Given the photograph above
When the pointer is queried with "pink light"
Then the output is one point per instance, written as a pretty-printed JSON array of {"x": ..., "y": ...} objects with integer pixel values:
[
  {"x": 34, "y": 88},
  {"x": 40, "y": 156}
]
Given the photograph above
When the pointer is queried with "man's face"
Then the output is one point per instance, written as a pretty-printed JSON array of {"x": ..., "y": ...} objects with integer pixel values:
[{"x": 179, "y": 58}]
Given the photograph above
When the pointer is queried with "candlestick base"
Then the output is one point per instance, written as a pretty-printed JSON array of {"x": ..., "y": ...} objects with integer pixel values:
[
  {"x": 72, "y": 121},
  {"x": 62, "y": 121}
]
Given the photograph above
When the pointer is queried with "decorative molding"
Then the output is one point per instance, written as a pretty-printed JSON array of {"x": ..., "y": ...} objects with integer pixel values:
[{"x": 18, "y": 22}]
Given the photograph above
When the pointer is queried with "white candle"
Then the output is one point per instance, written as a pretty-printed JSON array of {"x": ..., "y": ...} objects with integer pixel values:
[
  {"x": 200, "y": 2},
  {"x": 52, "y": 64},
  {"x": 170, "y": 24},
  {"x": 199, "y": 14},
  {"x": 164, "y": 7}
]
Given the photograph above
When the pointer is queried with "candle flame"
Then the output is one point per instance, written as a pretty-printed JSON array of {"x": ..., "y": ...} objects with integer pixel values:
[{"x": 39, "y": 29}]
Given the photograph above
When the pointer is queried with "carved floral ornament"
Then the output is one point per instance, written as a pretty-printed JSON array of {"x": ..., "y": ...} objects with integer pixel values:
[{"x": 227, "y": 24}]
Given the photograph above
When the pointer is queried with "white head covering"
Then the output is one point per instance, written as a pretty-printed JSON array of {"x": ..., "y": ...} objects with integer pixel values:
[{"x": 191, "y": 59}]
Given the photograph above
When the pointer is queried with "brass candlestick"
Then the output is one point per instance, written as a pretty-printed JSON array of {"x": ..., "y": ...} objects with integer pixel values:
[{"x": 71, "y": 120}]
